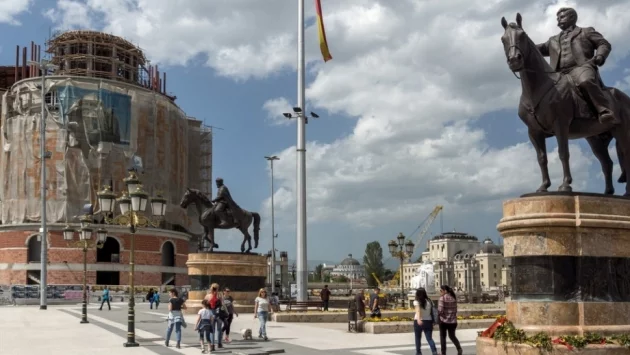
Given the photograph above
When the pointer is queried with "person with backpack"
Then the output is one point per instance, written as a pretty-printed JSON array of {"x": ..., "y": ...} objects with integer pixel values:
[
  {"x": 423, "y": 320},
  {"x": 219, "y": 311}
]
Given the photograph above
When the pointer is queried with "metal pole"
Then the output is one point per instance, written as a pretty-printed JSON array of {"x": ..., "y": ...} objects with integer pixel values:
[
  {"x": 273, "y": 237},
  {"x": 131, "y": 315},
  {"x": 302, "y": 269},
  {"x": 43, "y": 290},
  {"x": 402, "y": 276},
  {"x": 84, "y": 305}
]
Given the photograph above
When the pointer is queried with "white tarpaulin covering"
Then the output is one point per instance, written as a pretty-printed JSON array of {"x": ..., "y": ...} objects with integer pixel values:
[
  {"x": 95, "y": 128},
  {"x": 424, "y": 278}
]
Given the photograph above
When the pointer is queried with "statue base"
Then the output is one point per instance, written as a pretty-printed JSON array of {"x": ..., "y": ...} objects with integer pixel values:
[
  {"x": 570, "y": 257},
  {"x": 243, "y": 274}
]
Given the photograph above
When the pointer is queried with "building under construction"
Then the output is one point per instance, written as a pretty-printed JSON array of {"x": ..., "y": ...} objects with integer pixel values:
[{"x": 107, "y": 110}]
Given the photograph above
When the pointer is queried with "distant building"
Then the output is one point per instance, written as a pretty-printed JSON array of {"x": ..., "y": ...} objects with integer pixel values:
[
  {"x": 463, "y": 262},
  {"x": 491, "y": 264},
  {"x": 350, "y": 268}
]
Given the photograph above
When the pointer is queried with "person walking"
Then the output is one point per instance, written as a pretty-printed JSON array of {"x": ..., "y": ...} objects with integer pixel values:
[
  {"x": 155, "y": 298},
  {"x": 423, "y": 320},
  {"x": 325, "y": 296},
  {"x": 175, "y": 318},
  {"x": 262, "y": 311},
  {"x": 215, "y": 305},
  {"x": 374, "y": 306},
  {"x": 105, "y": 298},
  {"x": 447, "y": 310},
  {"x": 149, "y": 298},
  {"x": 228, "y": 302},
  {"x": 204, "y": 327},
  {"x": 359, "y": 298}
]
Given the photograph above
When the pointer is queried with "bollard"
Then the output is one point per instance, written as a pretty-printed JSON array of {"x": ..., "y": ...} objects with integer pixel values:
[{"x": 352, "y": 317}]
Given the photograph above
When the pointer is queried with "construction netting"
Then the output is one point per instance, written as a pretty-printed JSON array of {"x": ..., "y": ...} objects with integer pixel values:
[{"x": 96, "y": 130}]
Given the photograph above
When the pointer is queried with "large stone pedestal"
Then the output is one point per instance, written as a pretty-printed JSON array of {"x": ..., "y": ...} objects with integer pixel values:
[
  {"x": 243, "y": 274},
  {"x": 570, "y": 262}
]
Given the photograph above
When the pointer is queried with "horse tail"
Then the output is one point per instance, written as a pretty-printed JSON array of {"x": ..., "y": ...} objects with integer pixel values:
[{"x": 256, "y": 225}]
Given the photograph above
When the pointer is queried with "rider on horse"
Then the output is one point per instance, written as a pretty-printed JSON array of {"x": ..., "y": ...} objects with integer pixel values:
[
  {"x": 571, "y": 52},
  {"x": 224, "y": 200}
]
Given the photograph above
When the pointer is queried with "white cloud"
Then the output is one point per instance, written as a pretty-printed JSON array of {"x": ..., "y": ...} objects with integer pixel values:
[
  {"x": 624, "y": 83},
  {"x": 416, "y": 75},
  {"x": 10, "y": 9},
  {"x": 275, "y": 108},
  {"x": 70, "y": 13}
]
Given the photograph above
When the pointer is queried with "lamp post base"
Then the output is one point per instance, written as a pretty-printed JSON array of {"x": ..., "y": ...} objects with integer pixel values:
[
  {"x": 84, "y": 321},
  {"x": 43, "y": 307},
  {"x": 131, "y": 344}
]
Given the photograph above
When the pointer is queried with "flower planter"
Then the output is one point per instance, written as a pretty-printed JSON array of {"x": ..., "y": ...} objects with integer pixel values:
[{"x": 488, "y": 346}]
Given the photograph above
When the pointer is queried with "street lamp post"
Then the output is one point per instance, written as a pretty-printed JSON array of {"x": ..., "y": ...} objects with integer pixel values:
[
  {"x": 302, "y": 120},
  {"x": 44, "y": 65},
  {"x": 273, "y": 232},
  {"x": 85, "y": 235},
  {"x": 132, "y": 203},
  {"x": 401, "y": 250}
]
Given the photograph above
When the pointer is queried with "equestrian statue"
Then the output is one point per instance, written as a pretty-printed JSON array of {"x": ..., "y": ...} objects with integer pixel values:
[
  {"x": 568, "y": 99},
  {"x": 222, "y": 213}
]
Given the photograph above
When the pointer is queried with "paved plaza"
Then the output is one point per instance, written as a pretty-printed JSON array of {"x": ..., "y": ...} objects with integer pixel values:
[{"x": 26, "y": 330}]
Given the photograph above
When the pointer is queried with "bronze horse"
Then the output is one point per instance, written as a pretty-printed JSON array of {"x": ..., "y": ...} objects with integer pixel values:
[
  {"x": 210, "y": 221},
  {"x": 551, "y": 106}
]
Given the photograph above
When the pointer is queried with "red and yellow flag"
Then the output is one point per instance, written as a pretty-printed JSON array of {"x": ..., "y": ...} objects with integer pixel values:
[{"x": 323, "y": 44}]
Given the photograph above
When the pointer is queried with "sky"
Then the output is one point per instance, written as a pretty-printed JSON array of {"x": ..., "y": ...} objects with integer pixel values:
[{"x": 417, "y": 107}]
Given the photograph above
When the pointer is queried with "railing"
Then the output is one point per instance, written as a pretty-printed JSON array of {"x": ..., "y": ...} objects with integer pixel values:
[{"x": 28, "y": 294}]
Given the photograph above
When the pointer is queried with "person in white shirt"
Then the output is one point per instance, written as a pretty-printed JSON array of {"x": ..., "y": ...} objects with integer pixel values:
[
  {"x": 262, "y": 311},
  {"x": 423, "y": 320},
  {"x": 204, "y": 326}
]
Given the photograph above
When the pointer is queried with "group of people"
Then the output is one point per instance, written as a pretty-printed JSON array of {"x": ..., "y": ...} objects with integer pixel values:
[
  {"x": 427, "y": 316},
  {"x": 213, "y": 319}
]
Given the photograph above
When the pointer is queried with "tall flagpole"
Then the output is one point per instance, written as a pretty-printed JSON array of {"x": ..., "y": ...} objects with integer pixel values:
[{"x": 302, "y": 269}]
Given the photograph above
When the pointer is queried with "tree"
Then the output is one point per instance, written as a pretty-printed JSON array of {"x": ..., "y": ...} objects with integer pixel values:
[
  {"x": 388, "y": 275},
  {"x": 373, "y": 262},
  {"x": 318, "y": 272}
]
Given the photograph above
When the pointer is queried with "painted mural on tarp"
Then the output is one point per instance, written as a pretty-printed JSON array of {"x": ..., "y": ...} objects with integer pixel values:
[{"x": 105, "y": 115}]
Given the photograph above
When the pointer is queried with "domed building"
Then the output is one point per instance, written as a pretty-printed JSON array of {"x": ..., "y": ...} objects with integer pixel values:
[
  {"x": 350, "y": 268},
  {"x": 463, "y": 262},
  {"x": 491, "y": 265}
]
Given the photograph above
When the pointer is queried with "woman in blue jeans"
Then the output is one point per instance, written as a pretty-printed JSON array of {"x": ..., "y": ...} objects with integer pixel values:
[
  {"x": 175, "y": 318},
  {"x": 262, "y": 311},
  {"x": 423, "y": 320}
]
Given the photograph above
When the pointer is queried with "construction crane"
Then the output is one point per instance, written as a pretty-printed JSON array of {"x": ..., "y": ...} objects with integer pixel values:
[
  {"x": 424, "y": 227},
  {"x": 380, "y": 285}
]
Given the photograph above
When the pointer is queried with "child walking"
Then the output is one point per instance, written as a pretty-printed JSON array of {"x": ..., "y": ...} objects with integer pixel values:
[{"x": 204, "y": 326}]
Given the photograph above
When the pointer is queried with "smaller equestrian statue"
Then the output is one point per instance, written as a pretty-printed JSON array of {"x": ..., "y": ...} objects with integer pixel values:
[
  {"x": 222, "y": 213},
  {"x": 567, "y": 99}
]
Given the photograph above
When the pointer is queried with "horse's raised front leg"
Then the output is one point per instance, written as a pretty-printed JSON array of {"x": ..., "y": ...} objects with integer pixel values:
[
  {"x": 538, "y": 141},
  {"x": 562, "y": 136},
  {"x": 599, "y": 146}
]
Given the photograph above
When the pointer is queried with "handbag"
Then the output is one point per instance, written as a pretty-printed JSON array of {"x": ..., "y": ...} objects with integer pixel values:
[
  {"x": 435, "y": 318},
  {"x": 223, "y": 312}
]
